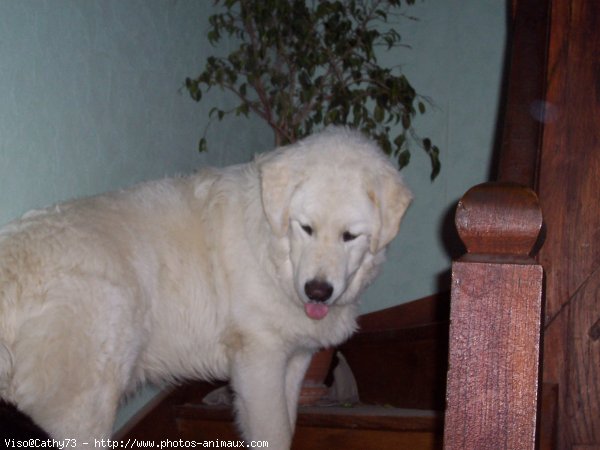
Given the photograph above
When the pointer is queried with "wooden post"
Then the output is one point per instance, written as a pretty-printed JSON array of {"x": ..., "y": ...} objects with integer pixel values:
[{"x": 495, "y": 322}]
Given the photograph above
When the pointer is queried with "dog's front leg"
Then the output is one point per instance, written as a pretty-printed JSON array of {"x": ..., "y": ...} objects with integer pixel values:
[
  {"x": 296, "y": 369},
  {"x": 258, "y": 380}
]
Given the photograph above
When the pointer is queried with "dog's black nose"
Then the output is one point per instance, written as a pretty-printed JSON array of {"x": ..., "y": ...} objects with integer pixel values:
[{"x": 318, "y": 290}]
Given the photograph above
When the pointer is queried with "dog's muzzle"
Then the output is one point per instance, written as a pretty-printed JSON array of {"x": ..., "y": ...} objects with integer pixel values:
[{"x": 318, "y": 290}]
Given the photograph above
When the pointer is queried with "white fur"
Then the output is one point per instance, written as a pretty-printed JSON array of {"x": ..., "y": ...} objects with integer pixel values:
[{"x": 194, "y": 277}]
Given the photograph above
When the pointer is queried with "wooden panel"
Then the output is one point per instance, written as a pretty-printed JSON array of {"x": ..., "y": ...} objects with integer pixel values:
[
  {"x": 431, "y": 309},
  {"x": 409, "y": 365},
  {"x": 524, "y": 110},
  {"x": 405, "y": 348},
  {"x": 555, "y": 161},
  {"x": 328, "y": 439},
  {"x": 207, "y": 430},
  {"x": 548, "y": 417},
  {"x": 569, "y": 190},
  {"x": 326, "y": 428},
  {"x": 495, "y": 322},
  {"x": 494, "y": 342},
  {"x": 582, "y": 381},
  {"x": 570, "y": 166},
  {"x": 321, "y": 438}
]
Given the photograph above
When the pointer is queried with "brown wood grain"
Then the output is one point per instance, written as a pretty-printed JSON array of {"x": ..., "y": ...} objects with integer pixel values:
[
  {"x": 495, "y": 322},
  {"x": 548, "y": 417},
  {"x": 320, "y": 438},
  {"x": 570, "y": 168},
  {"x": 404, "y": 368},
  {"x": 431, "y": 309},
  {"x": 494, "y": 345},
  {"x": 404, "y": 348},
  {"x": 526, "y": 87},
  {"x": 582, "y": 371},
  {"x": 569, "y": 191},
  {"x": 364, "y": 427},
  {"x": 499, "y": 220}
]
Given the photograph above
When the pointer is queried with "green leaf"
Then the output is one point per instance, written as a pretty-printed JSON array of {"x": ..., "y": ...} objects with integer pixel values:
[
  {"x": 242, "y": 109},
  {"x": 378, "y": 114},
  {"x": 213, "y": 37},
  {"x": 406, "y": 121},
  {"x": 427, "y": 144},
  {"x": 403, "y": 159},
  {"x": 202, "y": 147},
  {"x": 385, "y": 145},
  {"x": 436, "y": 165},
  {"x": 381, "y": 14},
  {"x": 193, "y": 89},
  {"x": 399, "y": 142}
]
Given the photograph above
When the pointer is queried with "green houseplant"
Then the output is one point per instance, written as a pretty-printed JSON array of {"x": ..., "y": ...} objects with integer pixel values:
[{"x": 305, "y": 64}]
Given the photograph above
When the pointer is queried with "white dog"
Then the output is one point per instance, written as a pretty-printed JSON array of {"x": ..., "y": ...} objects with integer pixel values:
[{"x": 240, "y": 273}]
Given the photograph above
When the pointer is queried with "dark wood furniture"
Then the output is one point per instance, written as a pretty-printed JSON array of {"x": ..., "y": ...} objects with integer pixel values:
[
  {"x": 569, "y": 191},
  {"x": 551, "y": 143},
  {"x": 495, "y": 322}
]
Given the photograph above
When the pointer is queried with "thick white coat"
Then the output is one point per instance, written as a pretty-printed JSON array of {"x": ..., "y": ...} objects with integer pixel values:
[{"x": 194, "y": 277}]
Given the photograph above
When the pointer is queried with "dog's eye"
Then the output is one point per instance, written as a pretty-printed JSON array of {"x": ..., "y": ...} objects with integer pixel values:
[
  {"x": 347, "y": 236},
  {"x": 307, "y": 229}
]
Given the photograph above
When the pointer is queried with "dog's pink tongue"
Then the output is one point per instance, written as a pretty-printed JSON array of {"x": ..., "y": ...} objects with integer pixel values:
[{"x": 316, "y": 310}]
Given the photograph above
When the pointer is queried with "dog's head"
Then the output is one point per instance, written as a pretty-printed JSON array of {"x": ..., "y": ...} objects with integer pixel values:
[{"x": 339, "y": 202}]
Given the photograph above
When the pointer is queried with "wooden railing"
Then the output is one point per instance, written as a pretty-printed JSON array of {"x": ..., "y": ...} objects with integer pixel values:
[
  {"x": 495, "y": 321},
  {"x": 496, "y": 305}
]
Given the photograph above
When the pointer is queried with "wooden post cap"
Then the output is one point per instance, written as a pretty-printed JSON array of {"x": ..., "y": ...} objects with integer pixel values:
[{"x": 499, "y": 219}]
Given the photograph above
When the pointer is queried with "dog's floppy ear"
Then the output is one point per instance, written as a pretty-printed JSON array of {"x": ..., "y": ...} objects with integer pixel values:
[
  {"x": 391, "y": 197},
  {"x": 278, "y": 183}
]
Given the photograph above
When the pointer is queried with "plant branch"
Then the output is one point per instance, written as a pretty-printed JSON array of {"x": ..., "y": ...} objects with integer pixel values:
[{"x": 303, "y": 64}]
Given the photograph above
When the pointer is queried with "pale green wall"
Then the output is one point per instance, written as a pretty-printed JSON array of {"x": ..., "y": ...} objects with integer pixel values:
[
  {"x": 90, "y": 97},
  {"x": 456, "y": 59},
  {"x": 90, "y": 101}
]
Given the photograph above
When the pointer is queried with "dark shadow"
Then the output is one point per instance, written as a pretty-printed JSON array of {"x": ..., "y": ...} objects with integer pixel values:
[
  {"x": 500, "y": 118},
  {"x": 451, "y": 243}
]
